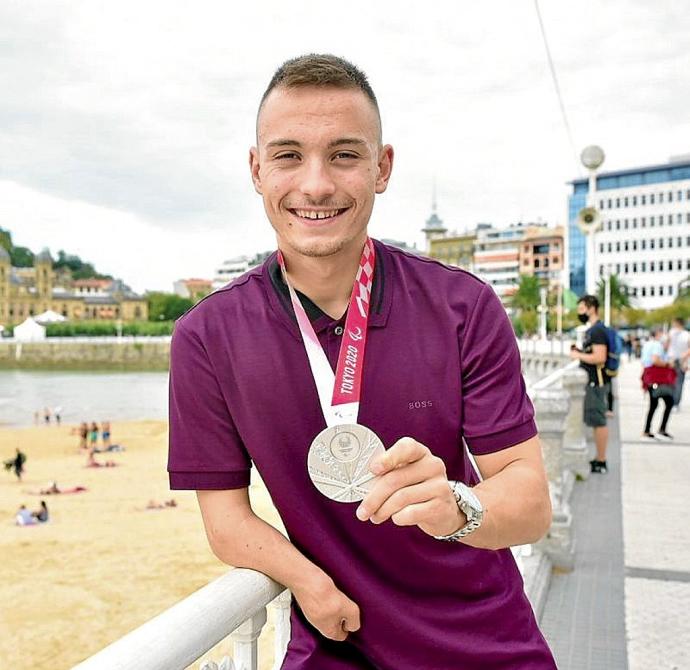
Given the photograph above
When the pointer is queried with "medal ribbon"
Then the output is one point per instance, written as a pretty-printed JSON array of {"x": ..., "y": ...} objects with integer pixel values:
[{"x": 339, "y": 393}]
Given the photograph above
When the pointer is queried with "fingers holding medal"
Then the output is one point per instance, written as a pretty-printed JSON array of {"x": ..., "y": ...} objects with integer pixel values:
[{"x": 411, "y": 489}]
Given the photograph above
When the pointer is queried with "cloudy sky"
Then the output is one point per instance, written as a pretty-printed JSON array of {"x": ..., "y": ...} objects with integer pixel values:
[{"x": 125, "y": 126}]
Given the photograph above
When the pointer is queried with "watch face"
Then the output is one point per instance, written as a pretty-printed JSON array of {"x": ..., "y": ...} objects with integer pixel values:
[{"x": 469, "y": 504}]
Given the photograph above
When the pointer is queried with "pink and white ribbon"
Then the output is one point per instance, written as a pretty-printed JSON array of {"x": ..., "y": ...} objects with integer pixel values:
[{"x": 339, "y": 393}]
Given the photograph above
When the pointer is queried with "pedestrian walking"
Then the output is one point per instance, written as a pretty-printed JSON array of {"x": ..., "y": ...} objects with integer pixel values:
[
  {"x": 678, "y": 353},
  {"x": 57, "y": 413},
  {"x": 93, "y": 435},
  {"x": 658, "y": 381},
  {"x": 105, "y": 428},
  {"x": 17, "y": 464},
  {"x": 592, "y": 359},
  {"x": 46, "y": 415}
]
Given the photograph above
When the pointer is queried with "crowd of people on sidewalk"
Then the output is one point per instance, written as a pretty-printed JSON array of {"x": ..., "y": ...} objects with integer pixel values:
[{"x": 664, "y": 356}]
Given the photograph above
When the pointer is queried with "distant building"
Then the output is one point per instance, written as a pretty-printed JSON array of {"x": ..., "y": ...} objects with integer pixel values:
[
  {"x": 233, "y": 268},
  {"x": 454, "y": 249},
  {"x": 194, "y": 289},
  {"x": 542, "y": 253},
  {"x": 401, "y": 245},
  {"x": 645, "y": 235},
  {"x": 434, "y": 228},
  {"x": 26, "y": 292}
]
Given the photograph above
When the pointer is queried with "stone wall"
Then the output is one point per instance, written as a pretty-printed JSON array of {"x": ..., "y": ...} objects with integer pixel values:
[{"x": 88, "y": 354}]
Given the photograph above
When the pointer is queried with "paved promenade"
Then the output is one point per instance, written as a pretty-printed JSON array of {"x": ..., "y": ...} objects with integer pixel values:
[{"x": 626, "y": 605}]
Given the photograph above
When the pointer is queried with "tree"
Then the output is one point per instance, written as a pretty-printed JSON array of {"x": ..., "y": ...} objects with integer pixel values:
[
  {"x": 527, "y": 296},
  {"x": 620, "y": 293},
  {"x": 21, "y": 257},
  {"x": 166, "y": 306}
]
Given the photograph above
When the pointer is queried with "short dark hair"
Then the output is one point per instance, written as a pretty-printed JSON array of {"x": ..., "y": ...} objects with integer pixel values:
[
  {"x": 321, "y": 70},
  {"x": 589, "y": 301}
]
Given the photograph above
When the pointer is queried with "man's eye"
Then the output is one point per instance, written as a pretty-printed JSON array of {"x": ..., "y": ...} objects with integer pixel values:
[
  {"x": 345, "y": 154},
  {"x": 288, "y": 155}
]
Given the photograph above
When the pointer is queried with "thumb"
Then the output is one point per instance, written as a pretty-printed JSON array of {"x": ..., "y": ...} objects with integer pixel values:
[{"x": 351, "y": 616}]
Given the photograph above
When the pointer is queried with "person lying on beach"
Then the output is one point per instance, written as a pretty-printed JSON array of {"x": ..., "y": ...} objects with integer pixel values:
[
  {"x": 152, "y": 504},
  {"x": 93, "y": 463},
  {"x": 53, "y": 489}
]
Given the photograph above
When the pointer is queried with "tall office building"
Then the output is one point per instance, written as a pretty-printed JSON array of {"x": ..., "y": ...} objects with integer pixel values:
[{"x": 645, "y": 235}]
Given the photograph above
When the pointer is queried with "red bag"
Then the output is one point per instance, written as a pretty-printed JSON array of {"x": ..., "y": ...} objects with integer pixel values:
[{"x": 655, "y": 374}]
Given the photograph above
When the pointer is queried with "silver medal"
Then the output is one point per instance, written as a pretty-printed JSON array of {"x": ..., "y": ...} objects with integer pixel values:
[{"x": 338, "y": 461}]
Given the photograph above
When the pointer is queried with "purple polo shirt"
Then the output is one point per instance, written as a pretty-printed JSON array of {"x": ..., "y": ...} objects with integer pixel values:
[{"x": 441, "y": 365}]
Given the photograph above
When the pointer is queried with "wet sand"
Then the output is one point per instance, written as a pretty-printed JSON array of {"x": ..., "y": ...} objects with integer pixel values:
[{"x": 103, "y": 565}]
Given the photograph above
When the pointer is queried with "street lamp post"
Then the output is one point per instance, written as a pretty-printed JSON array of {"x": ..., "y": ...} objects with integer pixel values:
[{"x": 589, "y": 219}]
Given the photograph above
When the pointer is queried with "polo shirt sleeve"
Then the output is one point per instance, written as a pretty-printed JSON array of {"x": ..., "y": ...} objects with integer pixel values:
[
  {"x": 598, "y": 336},
  {"x": 496, "y": 410},
  {"x": 204, "y": 450}
]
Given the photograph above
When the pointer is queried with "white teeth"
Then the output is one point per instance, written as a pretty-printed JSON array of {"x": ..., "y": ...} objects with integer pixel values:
[{"x": 305, "y": 214}]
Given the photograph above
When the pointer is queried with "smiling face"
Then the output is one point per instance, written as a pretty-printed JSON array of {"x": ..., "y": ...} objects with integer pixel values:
[{"x": 318, "y": 165}]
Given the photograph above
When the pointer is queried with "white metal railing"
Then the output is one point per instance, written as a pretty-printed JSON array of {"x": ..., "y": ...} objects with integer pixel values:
[
  {"x": 179, "y": 636},
  {"x": 552, "y": 378},
  {"x": 83, "y": 339}
]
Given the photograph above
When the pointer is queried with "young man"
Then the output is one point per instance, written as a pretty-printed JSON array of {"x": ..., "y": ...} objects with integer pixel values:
[
  {"x": 416, "y": 573},
  {"x": 592, "y": 359}
]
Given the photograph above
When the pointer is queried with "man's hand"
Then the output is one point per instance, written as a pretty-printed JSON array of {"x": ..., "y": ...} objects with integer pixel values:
[
  {"x": 575, "y": 353},
  {"x": 412, "y": 490},
  {"x": 327, "y": 608}
]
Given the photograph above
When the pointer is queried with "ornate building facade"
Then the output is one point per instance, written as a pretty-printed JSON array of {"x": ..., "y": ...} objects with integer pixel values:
[{"x": 26, "y": 292}]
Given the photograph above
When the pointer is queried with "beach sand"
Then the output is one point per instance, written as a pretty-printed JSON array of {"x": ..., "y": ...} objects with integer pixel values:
[{"x": 102, "y": 565}]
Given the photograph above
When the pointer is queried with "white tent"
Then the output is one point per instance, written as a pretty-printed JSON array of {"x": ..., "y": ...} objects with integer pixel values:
[
  {"x": 29, "y": 331},
  {"x": 49, "y": 316}
]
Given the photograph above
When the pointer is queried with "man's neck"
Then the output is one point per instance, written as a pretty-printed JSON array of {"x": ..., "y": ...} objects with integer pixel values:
[
  {"x": 593, "y": 319},
  {"x": 326, "y": 281}
]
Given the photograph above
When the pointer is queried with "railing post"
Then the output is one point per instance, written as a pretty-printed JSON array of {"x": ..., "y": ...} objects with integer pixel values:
[
  {"x": 245, "y": 647},
  {"x": 281, "y": 632},
  {"x": 552, "y": 407},
  {"x": 576, "y": 458}
]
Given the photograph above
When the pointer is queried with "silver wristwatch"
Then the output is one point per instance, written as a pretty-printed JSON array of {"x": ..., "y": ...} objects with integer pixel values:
[{"x": 470, "y": 506}]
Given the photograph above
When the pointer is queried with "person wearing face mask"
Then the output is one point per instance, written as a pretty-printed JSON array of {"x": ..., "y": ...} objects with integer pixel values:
[{"x": 592, "y": 359}]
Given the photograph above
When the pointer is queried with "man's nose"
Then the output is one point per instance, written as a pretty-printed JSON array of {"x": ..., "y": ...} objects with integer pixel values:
[{"x": 316, "y": 180}]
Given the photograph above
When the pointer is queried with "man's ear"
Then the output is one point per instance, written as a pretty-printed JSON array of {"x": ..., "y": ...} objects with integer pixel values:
[
  {"x": 385, "y": 168},
  {"x": 254, "y": 169}
]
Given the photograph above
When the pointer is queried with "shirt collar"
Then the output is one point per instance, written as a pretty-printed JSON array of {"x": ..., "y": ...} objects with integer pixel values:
[{"x": 279, "y": 296}]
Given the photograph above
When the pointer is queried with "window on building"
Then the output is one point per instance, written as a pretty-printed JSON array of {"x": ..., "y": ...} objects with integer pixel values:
[
  {"x": 651, "y": 244},
  {"x": 634, "y": 223},
  {"x": 526, "y": 247},
  {"x": 669, "y": 265},
  {"x": 644, "y": 291},
  {"x": 687, "y": 263},
  {"x": 651, "y": 221},
  {"x": 651, "y": 198},
  {"x": 546, "y": 263},
  {"x": 679, "y": 218},
  {"x": 625, "y": 201},
  {"x": 670, "y": 289},
  {"x": 618, "y": 202},
  {"x": 680, "y": 195},
  {"x": 652, "y": 266},
  {"x": 634, "y": 201},
  {"x": 661, "y": 243},
  {"x": 634, "y": 243},
  {"x": 601, "y": 204},
  {"x": 643, "y": 222},
  {"x": 555, "y": 260},
  {"x": 601, "y": 248},
  {"x": 625, "y": 268},
  {"x": 687, "y": 218},
  {"x": 625, "y": 245},
  {"x": 670, "y": 242},
  {"x": 661, "y": 290},
  {"x": 643, "y": 199},
  {"x": 609, "y": 247},
  {"x": 618, "y": 268},
  {"x": 608, "y": 203},
  {"x": 625, "y": 224},
  {"x": 661, "y": 198},
  {"x": 536, "y": 262},
  {"x": 618, "y": 246},
  {"x": 618, "y": 224},
  {"x": 651, "y": 291},
  {"x": 634, "y": 267},
  {"x": 679, "y": 264},
  {"x": 601, "y": 270},
  {"x": 670, "y": 196},
  {"x": 669, "y": 218}
]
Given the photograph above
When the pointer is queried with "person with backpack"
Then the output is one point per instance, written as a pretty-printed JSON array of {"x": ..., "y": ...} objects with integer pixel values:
[{"x": 593, "y": 359}]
